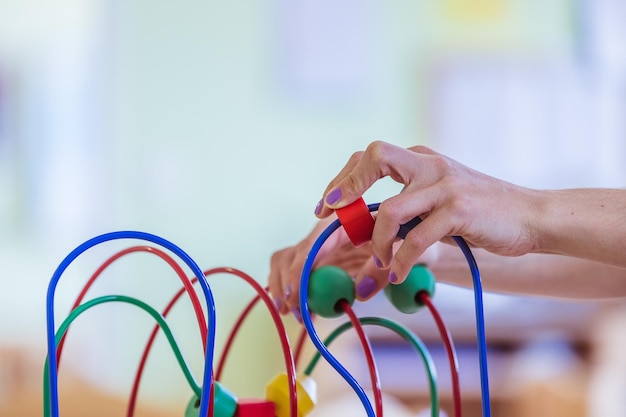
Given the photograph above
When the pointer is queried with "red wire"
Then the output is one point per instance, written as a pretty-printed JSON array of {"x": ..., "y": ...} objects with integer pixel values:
[
  {"x": 447, "y": 339},
  {"x": 367, "y": 348},
  {"x": 235, "y": 329},
  {"x": 280, "y": 327},
  {"x": 228, "y": 345},
  {"x": 231, "y": 336},
  {"x": 187, "y": 286},
  {"x": 144, "y": 357}
]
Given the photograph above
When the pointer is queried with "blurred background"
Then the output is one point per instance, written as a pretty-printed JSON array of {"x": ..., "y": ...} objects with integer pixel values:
[{"x": 217, "y": 125}]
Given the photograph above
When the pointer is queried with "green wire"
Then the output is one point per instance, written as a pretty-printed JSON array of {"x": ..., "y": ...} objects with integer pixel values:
[
  {"x": 125, "y": 299},
  {"x": 406, "y": 335}
]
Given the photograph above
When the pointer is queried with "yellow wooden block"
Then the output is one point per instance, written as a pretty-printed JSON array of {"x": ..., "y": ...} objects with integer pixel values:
[{"x": 277, "y": 391}]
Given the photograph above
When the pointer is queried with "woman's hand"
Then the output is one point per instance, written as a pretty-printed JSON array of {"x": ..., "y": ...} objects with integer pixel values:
[
  {"x": 451, "y": 199},
  {"x": 286, "y": 266}
]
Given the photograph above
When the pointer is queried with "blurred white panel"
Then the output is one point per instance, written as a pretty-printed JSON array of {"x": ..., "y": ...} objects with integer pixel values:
[
  {"x": 328, "y": 46},
  {"x": 528, "y": 121}
]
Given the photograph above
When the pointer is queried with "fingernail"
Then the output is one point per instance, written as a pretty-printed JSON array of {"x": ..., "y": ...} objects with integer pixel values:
[
  {"x": 366, "y": 287},
  {"x": 318, "y": 208},
  {"x": 278, "y": 303},
  {"x": 377, "y": 262},
  {"x": 288, "y": 291},
  {"x": 333, "y": 196},
  {"x": 393, "y": 278},
  {"x": 296, "y": 313}
]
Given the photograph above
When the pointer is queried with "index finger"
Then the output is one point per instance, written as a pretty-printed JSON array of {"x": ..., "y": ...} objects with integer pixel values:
[{"x": 379, "y": 160}]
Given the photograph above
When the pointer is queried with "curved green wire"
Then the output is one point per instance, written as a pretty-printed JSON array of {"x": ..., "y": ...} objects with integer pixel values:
[
  {"x": 406, "y": 335},
  {"x": 125, "y": 299}
]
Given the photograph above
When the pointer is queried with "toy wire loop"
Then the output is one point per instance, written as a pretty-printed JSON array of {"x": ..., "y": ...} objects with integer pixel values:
[
  {"x": 325, "y": 353},
  {"x": 50, "y": 326}
]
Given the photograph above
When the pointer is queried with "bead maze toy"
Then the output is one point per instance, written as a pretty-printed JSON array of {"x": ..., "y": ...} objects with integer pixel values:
[{"x": 325, "y": 292}]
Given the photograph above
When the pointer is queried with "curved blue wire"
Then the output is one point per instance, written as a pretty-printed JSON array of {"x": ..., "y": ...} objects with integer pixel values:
[
  {"x": 50, "y": 327},
  {"x": 317, "y": 342},
  {"x": 308, "y": 322},
  {"x": 480, "y": 324}
]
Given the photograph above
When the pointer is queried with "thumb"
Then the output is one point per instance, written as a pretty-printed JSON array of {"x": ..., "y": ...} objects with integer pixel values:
[{"x": 379, "y": 160}]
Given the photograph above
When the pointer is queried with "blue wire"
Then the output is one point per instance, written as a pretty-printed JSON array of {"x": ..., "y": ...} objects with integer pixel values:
[
  {"x": 210, "y": 345},
  {"x": 480, "y": 324},
  {"x": 478, "y": 303},
  {"x": 308, "y": 323}
]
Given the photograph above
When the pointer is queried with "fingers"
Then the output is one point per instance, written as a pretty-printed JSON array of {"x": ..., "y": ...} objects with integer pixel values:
[
  {"x": 424, "y": 174},
  {"x": 396, "y": 211},
  {"x": 416, "y": 243},
  {"x": 322, "y": 210},
  {"x": 284, "y": 272},
  {"x": 435, "y": 187},
  {"x": 286, "y": 267},
  {"x": 379, "y": 160},
  {"x": 425, "y": 150},
  {"x": 370, "y": 279}
]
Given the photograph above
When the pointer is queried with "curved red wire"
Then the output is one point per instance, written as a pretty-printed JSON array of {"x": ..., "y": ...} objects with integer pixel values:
[
  {"x": 235, "y": 329},
  {"x": 227, "y": 347},
  {"x": 367, "y": 348},
  {"x": 130, "y": 410},
  {"x": 187, "y": 286},
  {"x": 179, "y": 271},
  {"x": 447, "y": 339},
  {"x": 280, "y": 327},
  {"x": 232, "y": 335}
]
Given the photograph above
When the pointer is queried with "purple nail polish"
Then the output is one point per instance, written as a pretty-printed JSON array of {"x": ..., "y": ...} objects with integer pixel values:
[
  {"x": 393, "y": 278},
  {"x": 318, "y": 208},
  {"x": 287, "y": 291},
  {"x": 377, "y": 262},
  {"x": 366, "y": 287},
  {"x": 333, "y": 196},
  {"x": 278, "y": 303},
  {"x": 296, "y": 313}
]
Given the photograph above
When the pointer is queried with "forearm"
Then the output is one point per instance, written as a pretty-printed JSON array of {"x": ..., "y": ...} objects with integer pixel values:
[
  {"x": 532, "y": 274},
  {"x": 584, "y": 223}
]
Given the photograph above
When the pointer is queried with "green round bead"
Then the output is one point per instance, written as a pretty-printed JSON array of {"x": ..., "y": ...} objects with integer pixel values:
[
  {"x": 404, "y": 296},
  {"x": 225, "y": 403},
  {"x": 327, "y": 286}
]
